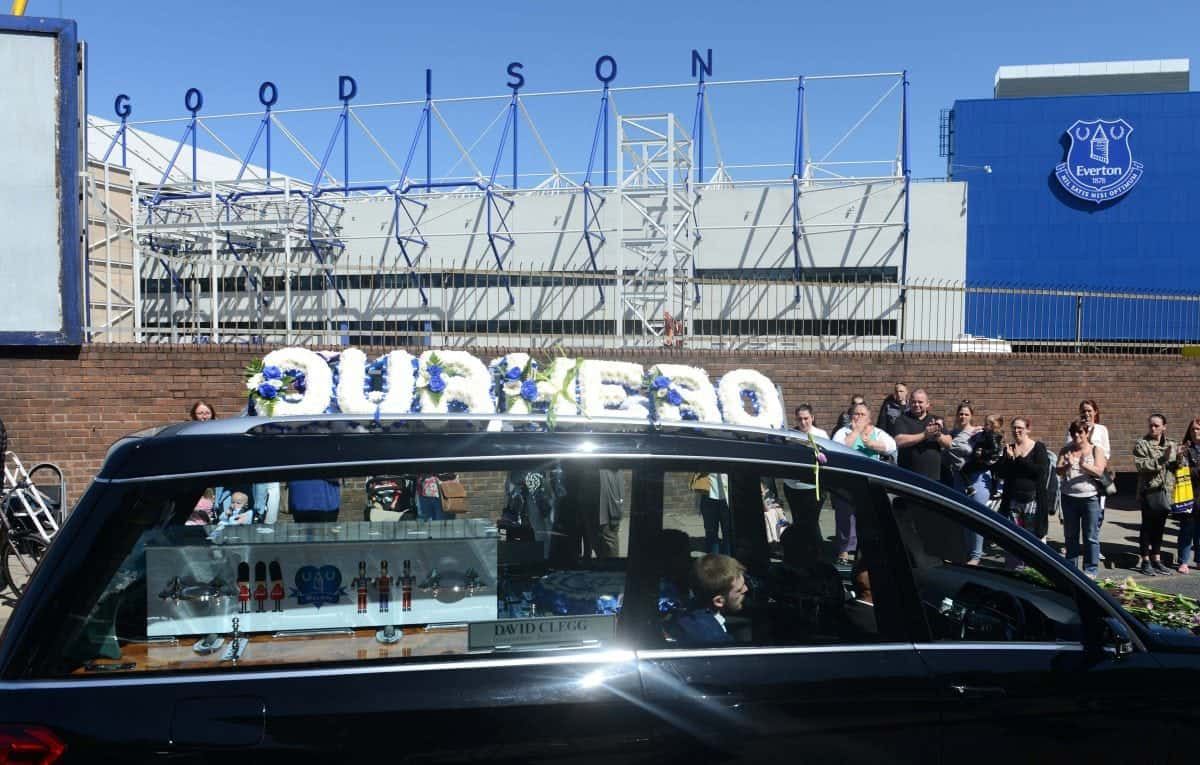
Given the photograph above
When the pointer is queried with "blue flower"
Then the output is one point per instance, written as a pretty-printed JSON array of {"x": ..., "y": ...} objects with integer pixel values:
[
  {"x": 529, "y": 390},
  {"x": 272, "y": 373},
  {"x": 436, "y": 383},
  {"x": 434, "y": 370},
  {"x": 513, "y": 373},
  {"x": 456, "y": 406},
  {"x": 662, "y": 381},
  {"x": 267, "y": 390},
  {"x": 674, "y": 398}
]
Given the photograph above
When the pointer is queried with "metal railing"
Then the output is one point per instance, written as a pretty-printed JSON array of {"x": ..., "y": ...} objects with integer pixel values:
[{"x": 264, "y": 300}]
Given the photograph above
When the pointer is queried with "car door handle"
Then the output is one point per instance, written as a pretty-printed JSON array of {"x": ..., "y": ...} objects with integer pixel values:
[{"x": 976, "y": 691}]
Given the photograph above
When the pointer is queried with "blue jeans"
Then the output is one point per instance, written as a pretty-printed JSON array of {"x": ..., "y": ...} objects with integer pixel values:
[
  {"x": 1189, "y": 538},
  {"x": 430, "y": 509},
  {"x": 978, "y": 488},
  {"x": 1081, "y": 516},
  {"x": 717, "y": 518}
]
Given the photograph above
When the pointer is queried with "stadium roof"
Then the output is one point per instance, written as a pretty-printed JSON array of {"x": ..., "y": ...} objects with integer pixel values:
[
  {"x": 1100, "y": 77},
  {"x": 148, "y": 156}
]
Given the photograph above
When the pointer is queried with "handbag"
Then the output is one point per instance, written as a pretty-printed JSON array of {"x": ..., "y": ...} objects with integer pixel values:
[
  {"x": 454, "y": 496},
  {"x": 1108, "y": 482},
  {"x": 701, "y": 482},
  {"x": 1182, "y": 498}
]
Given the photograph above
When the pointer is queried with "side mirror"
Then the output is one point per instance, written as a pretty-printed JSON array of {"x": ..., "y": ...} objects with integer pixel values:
[{"x": 1115, "y": 638}]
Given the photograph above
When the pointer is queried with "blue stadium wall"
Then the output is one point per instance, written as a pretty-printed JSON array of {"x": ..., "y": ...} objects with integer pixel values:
[{"x": 1023, "y": 228}]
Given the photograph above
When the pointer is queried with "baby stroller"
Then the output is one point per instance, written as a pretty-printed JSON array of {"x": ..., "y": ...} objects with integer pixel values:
[{"x": 391, "y": 498}]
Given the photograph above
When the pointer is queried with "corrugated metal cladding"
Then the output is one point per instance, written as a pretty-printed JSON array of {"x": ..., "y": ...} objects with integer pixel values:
[{"x": 1022, "y": 225}]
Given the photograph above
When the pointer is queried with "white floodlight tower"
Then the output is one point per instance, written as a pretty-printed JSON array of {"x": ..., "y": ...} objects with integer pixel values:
[{"x": 656, "y": 218}]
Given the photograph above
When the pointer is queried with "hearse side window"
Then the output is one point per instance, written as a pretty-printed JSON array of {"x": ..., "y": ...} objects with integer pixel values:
[
  {"x": 231, "y": 573},
  {"x": 976, "y": 585},
  {"x": 813, "y": 563}
]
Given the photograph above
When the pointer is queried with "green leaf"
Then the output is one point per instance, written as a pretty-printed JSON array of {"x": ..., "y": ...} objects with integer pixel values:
[{"x": 253, "y": 368}]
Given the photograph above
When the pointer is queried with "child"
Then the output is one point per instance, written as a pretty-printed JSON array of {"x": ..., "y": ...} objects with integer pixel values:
[{"x": 238, "y": 514}]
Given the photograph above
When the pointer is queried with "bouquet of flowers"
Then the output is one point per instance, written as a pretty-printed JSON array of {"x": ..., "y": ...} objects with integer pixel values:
[{"x": 268, "y": 384}]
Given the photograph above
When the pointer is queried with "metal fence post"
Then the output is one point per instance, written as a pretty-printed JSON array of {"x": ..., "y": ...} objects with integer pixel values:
[{"x": 1079, "y": 323}]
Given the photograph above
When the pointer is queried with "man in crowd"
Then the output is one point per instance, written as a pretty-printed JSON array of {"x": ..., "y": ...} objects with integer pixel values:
[
  {"x": 719, "y": 585},
  {"x": 801, "y": 496},
  {"x": 920, "y": 438},
  {"x": 893, "y": 406}
]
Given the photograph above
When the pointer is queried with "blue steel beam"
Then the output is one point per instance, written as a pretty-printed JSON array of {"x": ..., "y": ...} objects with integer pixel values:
[{"x": 797, "y": 162}]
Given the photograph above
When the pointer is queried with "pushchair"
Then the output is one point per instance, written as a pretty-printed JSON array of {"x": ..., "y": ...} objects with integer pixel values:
[{"x": 391, "y": 498}]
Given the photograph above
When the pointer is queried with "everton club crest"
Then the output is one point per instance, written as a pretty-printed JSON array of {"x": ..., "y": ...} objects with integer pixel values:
[
  {"x": 1099, "y": 164},
  {"x": 318, "y": 586}
]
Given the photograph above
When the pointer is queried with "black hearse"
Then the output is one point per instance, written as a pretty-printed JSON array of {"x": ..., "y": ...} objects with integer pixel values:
[{"x": 514, "y": 594}]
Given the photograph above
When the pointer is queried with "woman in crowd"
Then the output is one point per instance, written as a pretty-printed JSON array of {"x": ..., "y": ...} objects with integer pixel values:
[
  {"x": 863, "y": 437},
  {"x": 202, "y": 411},
  {"x": 1155, "y": 457},
  {"x": 1024, "y": 467},
  {"x": 1080, "y": 465},
  {"x": 1189, "y": 529},
  {"x": 846, "y": 418},
  {"x": 1089, "y": 412}
]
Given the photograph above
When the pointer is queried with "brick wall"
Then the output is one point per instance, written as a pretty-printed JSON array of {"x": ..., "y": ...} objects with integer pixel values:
[{"x": 67, "y": 407}]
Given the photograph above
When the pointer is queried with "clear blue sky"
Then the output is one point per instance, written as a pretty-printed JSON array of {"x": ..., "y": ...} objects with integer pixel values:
[{"x": 155, "y": 50}]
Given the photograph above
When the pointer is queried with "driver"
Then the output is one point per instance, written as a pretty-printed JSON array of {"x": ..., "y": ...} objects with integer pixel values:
[{"x": 719, "y": 584}]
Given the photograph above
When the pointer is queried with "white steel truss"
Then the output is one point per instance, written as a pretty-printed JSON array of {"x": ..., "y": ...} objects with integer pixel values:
[{"x": 656, "y": 224}]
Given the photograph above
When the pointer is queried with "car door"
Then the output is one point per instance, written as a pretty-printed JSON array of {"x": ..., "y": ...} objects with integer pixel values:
[
  {"x": 507, "y": 645},
  {"x": 799, "y": 675},
  {"x": 1016, "y": 644}
]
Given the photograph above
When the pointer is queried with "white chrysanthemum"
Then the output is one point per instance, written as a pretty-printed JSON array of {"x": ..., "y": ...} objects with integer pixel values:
[{"x": 254, "y": 382}]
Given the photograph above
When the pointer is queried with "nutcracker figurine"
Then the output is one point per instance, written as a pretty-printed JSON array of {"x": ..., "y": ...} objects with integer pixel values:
[
  {"x": 243, "y": 586},
  {"x": 384, "y": 583},
  {"x": 406, "y": 585},
  {"x": 361, "y": 582},
  {"x": 260, "y": 587},
  {"x": 277, "y": 591}
]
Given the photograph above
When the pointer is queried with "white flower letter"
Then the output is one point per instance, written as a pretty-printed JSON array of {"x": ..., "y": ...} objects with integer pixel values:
[
  {"x": 770, "y": 408},
  {"x": 602, "y": 389},
  {"x": 318, "y": 381},
  {"x": 467, "y": 381},
  {"x": 352, "y": 373},
  {"x": 695, "y": 389}
]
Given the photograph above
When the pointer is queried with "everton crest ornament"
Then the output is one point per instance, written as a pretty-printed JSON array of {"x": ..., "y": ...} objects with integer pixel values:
[{"x": 1099, "y": 166}]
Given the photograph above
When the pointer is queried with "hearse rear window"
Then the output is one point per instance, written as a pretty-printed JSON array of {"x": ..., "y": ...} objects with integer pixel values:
[{"x": 224, "y": 573}]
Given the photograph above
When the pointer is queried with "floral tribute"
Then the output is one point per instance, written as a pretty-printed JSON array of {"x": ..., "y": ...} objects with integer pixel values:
[
  {"x": 1153, "y": 607},
  {"x": 297, "y": 381}
]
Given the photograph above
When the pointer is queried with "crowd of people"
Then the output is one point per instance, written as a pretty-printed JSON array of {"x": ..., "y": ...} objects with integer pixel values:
[{"x": 1026, "y": 479}]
